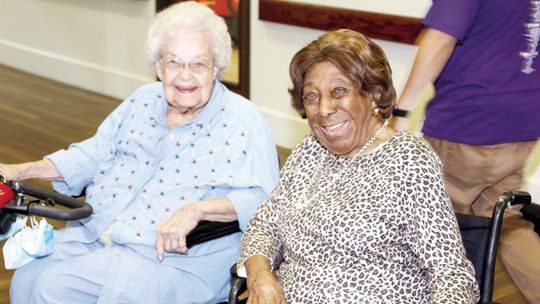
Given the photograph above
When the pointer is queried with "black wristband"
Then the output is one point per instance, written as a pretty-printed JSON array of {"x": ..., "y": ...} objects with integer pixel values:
[{"x": 400, "y": 112}]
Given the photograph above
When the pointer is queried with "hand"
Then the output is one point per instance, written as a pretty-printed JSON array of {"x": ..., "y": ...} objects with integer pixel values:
[
  {"x": 264, "y": 288},
  {"x": 42, "y": 169},
  {"x": 171, "y": 235},
  {"x": 10, "y": 172}
]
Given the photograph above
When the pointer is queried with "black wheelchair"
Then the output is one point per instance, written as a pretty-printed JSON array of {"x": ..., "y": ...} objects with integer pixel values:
[
  {"x": 480, "y": 234},
  {"x": 36, "y": 201},
  {"x": 32, "y": 200},
  {"x": 481, "y": 239}
]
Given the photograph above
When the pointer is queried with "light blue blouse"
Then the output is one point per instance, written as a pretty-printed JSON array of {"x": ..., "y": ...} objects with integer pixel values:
[{"x": 137, "y": 172}]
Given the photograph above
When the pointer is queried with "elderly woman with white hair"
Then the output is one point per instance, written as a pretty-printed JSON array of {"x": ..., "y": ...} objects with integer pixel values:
[{"x": 174, "y": 153}]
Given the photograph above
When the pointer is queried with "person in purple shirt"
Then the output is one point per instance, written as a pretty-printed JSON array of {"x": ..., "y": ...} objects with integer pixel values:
[
  {"x": 483, "y": 120},
  {"x": 174, "y": 153}
]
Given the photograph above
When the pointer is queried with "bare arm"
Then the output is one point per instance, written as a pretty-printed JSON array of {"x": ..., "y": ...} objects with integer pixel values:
[
  {"x": 434, "y": 51},
  {"x": 171, "y": 235},
  {"x": 42, "y": 169},
  {"x": 262, "y": 284}
]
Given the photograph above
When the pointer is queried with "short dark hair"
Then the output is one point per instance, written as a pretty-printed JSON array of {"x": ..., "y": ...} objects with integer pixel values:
[{"x": 357, "y": 57}]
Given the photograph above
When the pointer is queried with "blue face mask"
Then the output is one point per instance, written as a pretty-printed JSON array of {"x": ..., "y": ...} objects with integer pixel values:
[
  {"x": 16, "y": 226},
  {"x": 39, "y": 241},
  {"x": 28, "y": 244},
  {"x": 14, "y": 255}
]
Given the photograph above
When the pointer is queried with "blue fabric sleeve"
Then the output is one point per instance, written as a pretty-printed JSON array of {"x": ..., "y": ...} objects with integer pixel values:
[
  {"x": 257, "y": 177},
  {"x": 79, "y": 163},
  {"x": 245, "y": 203}
]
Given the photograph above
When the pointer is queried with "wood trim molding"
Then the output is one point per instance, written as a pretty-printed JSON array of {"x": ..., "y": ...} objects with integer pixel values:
[{"x": 375, "y": 25}]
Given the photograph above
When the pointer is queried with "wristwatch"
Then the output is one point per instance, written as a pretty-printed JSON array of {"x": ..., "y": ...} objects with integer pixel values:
[{"x": 400, "y": 112}]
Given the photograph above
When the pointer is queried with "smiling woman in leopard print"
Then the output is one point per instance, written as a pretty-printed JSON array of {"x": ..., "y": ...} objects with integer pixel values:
[{"x": 361, "y": 213}]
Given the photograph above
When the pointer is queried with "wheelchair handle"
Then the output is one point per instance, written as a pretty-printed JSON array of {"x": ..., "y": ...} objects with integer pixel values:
[
  {"x": 76, "y": 209},
  {"x": 60, "y": 214},
  {"x": 42, "y": 193},
  {"x": 507, "y": 199},
  {"x": 516, "y": 198}
]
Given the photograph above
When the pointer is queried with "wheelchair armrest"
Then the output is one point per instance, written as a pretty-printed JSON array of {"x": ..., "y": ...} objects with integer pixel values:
[
  {"x": 77, "y": 209},
  {"x": 207, "y": 231},
  {"x": 238, "y": 286},
  {"x": 44, "y": 205}
]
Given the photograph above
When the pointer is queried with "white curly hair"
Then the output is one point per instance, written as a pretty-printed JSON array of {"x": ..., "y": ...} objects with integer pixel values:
[{"x": 190, "y": 15}]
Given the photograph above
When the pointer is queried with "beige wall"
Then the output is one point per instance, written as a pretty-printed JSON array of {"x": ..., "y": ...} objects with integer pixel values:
[
  {"x": 98, "y": 45},
  {"x": 94, "y": 44},
  {"x": 273, "y": 45}
]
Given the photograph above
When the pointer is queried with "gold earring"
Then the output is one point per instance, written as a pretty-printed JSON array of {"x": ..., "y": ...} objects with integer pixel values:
[{"x": 375, "y": 111}]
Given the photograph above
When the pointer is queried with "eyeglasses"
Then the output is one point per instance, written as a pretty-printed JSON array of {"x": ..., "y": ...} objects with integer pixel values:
[{"x": 174, "y": 64}]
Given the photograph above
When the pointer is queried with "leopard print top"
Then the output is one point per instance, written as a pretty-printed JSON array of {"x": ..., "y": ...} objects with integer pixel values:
[{"x": 377, "y": 228}]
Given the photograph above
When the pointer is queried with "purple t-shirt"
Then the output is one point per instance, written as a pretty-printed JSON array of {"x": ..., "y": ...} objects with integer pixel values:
[{"x": 483, "y": 97}]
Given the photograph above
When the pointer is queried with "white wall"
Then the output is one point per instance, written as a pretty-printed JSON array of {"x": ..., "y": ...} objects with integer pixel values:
[
  {"x": 99, "y": 45},
  {"x": 94, "y": 44}
]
